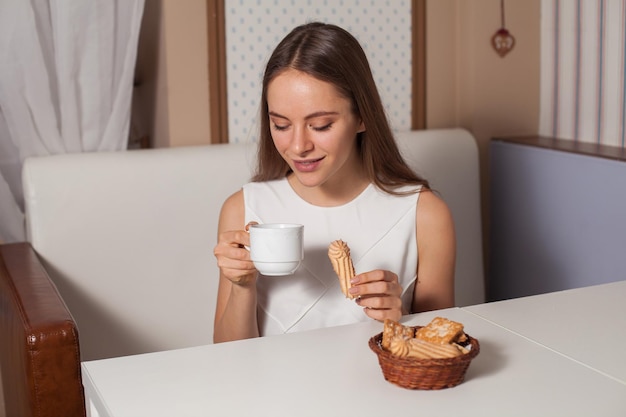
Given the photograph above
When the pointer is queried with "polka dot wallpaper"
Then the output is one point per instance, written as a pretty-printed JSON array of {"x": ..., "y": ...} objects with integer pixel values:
[{"x": 254, "y": 28}]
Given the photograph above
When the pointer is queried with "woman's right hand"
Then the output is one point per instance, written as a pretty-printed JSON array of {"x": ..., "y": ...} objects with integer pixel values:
[
  {"x": 236, "y": 308},
  {"x": 233, "y": 258}
]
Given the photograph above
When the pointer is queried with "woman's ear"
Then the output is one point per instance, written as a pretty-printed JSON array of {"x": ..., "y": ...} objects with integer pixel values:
[{"x": 361, "y": 127}]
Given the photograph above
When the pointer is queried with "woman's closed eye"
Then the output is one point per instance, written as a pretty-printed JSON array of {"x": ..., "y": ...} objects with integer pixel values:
[
  {"x": 280, "y": 128},
  {"x": 321, "y": 128}
]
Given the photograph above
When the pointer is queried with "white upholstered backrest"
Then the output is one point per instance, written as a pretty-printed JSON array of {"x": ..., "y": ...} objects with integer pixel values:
[
  {"x": 128, "y": 236},
  {"x": 448, "y": 158}
]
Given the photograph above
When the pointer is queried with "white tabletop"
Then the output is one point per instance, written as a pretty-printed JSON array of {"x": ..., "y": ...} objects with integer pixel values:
[
  {"x": 586, "y": 324},
  {"x": 333, "y": 372}
]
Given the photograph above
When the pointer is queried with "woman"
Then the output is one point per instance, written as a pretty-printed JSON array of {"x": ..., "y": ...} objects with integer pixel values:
[{"x": 328, "y": 159}]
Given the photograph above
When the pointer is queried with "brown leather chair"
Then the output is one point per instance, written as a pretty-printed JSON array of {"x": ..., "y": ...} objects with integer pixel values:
[{"x": 39, "y": 351}]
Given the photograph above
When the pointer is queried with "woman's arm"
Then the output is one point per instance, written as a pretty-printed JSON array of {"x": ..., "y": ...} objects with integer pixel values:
[
  {"x": 380, "y": 293},
  {"x": 436, "y": 246},
  {"x": 235, "y": 312}
]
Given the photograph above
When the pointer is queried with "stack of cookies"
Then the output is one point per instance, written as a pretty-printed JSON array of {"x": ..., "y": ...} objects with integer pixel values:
[
  {"x": 441, "y": 338},
  {"x": 428, "y": 357}
]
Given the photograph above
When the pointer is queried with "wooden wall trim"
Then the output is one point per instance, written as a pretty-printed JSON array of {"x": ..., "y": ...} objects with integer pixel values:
[
  {"x": 218, "y": 105},
  {"x": 565, "y": 145},
  {"x": 418, "y": 87}
]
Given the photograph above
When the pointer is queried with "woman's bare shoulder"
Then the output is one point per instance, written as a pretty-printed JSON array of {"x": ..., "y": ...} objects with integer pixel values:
[
  {"x": 233, "y": 211},
  {"x": 234, "y": 200},
  {"x": 431, "y": 207}
]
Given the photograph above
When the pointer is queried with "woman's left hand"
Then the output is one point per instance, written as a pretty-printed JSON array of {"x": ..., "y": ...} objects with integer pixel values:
[{"x": 379, "y": 294}]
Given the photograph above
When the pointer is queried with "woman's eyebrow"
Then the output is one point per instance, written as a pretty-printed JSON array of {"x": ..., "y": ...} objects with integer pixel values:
[
  {"x": 310, "y": 116},
  {"x": 274, "y": 114}
]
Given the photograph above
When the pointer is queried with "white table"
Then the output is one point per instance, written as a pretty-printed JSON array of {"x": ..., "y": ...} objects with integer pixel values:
[
  {"x": 587, "y": 324},
  {"x": 333, "y": 372}
]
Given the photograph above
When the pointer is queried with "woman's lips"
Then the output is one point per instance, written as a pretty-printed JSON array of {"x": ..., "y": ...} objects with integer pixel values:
[{"x": 307, "y": 165}]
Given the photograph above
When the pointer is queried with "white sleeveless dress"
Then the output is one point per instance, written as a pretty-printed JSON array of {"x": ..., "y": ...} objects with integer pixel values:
[{"x": 378, "y": 227}]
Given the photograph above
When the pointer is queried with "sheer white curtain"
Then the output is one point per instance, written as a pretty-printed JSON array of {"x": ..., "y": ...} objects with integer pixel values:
[
  {"x": 583, "y": 71},
  {"x": 66, "y": 76}
]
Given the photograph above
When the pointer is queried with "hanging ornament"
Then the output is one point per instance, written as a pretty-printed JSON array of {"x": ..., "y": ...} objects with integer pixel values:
[{"x": 502, "y": 41}]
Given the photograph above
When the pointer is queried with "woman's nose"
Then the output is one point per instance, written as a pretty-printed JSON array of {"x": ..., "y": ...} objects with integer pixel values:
[{"x": 300, "y": 142}]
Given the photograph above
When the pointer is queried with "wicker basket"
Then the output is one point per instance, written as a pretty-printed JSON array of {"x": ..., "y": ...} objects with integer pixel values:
[{"x": 426, "y": 374}]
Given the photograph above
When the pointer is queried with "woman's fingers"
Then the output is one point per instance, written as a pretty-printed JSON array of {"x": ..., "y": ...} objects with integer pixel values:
[
  {"x": 380, "y": 301},
  {"x": 247, "y": 228},
  {"x": 378, "y": 292},
  {"x": 233, "y": 258},
  {"x": 381, "y": 314},
  {"x": 377, "y": 282}
]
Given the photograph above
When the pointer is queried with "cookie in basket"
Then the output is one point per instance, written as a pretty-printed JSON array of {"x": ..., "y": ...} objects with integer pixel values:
[
  {"x": 393, "y": 329},
  {"x": 441, "y": 330}
]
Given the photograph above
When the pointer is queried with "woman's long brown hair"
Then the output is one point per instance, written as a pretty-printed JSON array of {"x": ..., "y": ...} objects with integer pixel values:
[{"x": 331, "y": 54}]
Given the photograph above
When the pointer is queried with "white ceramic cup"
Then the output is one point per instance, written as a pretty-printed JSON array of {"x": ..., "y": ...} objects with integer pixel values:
[{"x": 276, "y": 248}]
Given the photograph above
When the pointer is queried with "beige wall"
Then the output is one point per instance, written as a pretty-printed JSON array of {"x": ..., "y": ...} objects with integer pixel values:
[
  {"x": 470, "y": 86},
  {"x": 172, "y": 102}
]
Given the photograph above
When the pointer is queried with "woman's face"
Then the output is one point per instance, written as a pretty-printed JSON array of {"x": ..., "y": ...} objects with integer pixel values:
[{"x": 313, "y": 128}]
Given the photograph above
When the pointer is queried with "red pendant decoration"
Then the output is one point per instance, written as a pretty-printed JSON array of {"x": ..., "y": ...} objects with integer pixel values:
[{"x": 502, "y": 41}]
